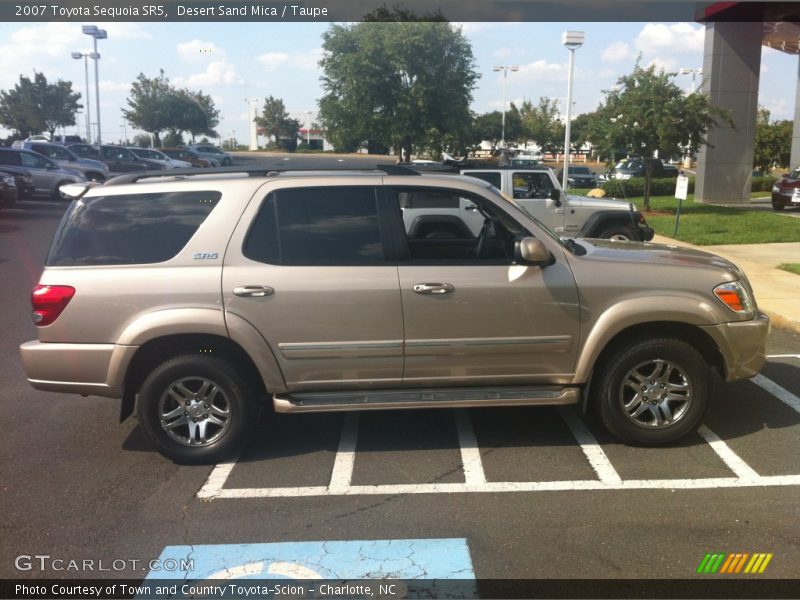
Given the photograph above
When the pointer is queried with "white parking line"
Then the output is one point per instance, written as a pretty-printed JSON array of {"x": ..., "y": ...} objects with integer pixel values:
[
  {"x": 342, "y": 472},
  {"x": 594, "y": 453},
  {"x": 783, "y": 355},
  {"x": 779, "y": 392},
  {"x": 475, "y": 478},
  {"x": 729, "y": 457},
  {"x": 470, "y": 453},
  {"x": 216, "y": 481}
]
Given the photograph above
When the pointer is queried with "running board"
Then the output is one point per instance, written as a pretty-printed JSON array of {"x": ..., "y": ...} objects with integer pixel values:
[{"x": 424, "y": 398}]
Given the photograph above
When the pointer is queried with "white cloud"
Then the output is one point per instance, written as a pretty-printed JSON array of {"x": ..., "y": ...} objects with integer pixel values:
[
  {"x": 306, "y": 60},
  {"x": 666, "y": 64},
  {"x": 504, "y": 53},
  {"x": 680, "y": 37},
  {"x": 198, "y": 51},
  {"x": 616, "y": 52},
  {"x": 541, "y": 71},
  {"x": 218, "y": 72},
  {"x": 273, "y": 60}
]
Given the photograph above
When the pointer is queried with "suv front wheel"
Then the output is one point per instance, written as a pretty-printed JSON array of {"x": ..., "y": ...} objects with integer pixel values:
[
  {"x": 654, "y": 391},
  {"x": 196, "y": 409}
]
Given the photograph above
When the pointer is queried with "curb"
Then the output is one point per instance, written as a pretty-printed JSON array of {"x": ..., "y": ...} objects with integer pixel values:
[{"x": 777, "y": 320}]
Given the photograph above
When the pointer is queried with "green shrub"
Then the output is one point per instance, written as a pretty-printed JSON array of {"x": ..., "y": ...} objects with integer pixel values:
[
  {"x": 634, "y": 187},
  {"x": 763, "y": 184}
]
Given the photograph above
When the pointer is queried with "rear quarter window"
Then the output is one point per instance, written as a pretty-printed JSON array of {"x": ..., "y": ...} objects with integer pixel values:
[{"x": 129, "y": 229}]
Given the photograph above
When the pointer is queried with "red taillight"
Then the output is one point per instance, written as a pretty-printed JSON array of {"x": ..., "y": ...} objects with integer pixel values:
[{"x": 49, "y": 301}]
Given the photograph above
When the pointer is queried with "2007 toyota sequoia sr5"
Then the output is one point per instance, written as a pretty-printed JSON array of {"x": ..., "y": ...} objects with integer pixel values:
[{"x": 198, "y": 295}]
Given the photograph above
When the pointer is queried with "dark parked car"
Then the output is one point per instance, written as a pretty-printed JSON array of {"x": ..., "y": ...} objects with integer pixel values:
[
  {"x": 8, "y": 190},
  {"x": 635, "y": 167},
  {"x": 579, "y": 177},
  {"x": 22, "y": 178},
  {"x": 117, "y": 158},
  {"x": 188, "y": 156},
  {"x": 786, "y": 192}
]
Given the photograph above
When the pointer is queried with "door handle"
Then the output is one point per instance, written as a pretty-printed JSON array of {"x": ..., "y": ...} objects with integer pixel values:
[
  {"x": 434, "y": 288},
  {"x": 471, "y": 207},
  {"x": 253, "y": 291}
]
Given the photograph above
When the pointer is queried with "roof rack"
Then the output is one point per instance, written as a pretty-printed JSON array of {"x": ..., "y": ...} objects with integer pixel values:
[{"x": 265, "y": 171}]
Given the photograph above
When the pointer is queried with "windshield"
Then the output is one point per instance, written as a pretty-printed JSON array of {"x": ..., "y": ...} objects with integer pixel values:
[{"x": 516, "y": 207}]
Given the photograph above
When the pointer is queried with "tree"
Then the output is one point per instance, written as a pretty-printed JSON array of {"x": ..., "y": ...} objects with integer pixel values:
[
  {"x": 156, "y": 106},
  {"x": 34, "y": 105},
  {"x": 275, "y": 122},
  {"x": 489, "y": 127},
  {"x": 398, "y": 84},
  {"x": 647, "y": 113},
  {"x": 773, "y": 141},
  {"x": 542, "y": 124}
]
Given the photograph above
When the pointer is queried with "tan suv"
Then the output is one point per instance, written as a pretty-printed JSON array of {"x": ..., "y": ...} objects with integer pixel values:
[{"x": 196, "y": 295}]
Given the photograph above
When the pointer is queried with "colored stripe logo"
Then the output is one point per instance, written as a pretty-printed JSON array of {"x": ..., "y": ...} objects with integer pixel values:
[{"x": 733, "y": 563}]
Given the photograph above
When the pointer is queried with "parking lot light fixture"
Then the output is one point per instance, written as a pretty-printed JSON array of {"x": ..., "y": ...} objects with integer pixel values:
[
  {"x": 693, "y": 72},
  {"x": 505, "y": 71},
  {"x": 97, "y": 34},
  {"x": 85, "y": 57},
  {"x": 572, "y": 40}
]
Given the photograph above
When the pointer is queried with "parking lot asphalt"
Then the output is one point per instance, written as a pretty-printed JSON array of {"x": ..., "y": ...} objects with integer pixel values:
[{"x": 535, "y": 492}]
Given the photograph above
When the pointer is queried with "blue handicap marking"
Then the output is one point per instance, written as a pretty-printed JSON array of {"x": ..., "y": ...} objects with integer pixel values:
[{"x": 411, "y": 559}]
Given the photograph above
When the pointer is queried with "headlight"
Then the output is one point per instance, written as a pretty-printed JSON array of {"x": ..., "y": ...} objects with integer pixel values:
[
  {"x": 776, "y": 189},
  {"x": 6, "y": 179},
  {"x": 735, "y": 296}
]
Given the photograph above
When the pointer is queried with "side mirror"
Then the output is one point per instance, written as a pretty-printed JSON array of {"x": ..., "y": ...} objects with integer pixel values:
[
  {"x": 555, "y": 196},
  {"x": 531, "y": 251},
  {"x": 785, "y": 175}
]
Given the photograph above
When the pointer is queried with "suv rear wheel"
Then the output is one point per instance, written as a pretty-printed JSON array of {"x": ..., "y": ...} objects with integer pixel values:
[
  {"x": 654, "y": 391},
  {"x": 196, "y": 409}
]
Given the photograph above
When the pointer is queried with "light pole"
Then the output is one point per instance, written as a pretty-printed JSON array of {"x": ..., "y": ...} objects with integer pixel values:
[
  {"x": 505, "y": 71},
  {"x": 86, "y": 56},
  {"x": 572, "y": 40},
  {"x": 97, "y": 34},
  {"x": 252, "y": 104},
  {"x": 692, "y": 72},
  {"x": 308, "y": 128}
]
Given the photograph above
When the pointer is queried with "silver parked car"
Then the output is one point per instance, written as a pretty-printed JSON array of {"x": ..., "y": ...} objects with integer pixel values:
[
  {"x": 200, "y": 295},
  {"x": 93, "y": 170},
  {"x": 47, "y": 176},
  {"x": 159, "y": 157},
  {"x": 212, "y": 153}
]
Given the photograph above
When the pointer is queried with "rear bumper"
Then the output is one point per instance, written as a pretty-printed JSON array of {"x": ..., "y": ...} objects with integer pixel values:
[
  {"x": 87, "y": 369},
  {"x": 743, "y": 346}
]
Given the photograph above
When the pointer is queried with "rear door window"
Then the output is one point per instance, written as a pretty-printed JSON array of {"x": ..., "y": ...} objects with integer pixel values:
[
  {"x": 317, "y": 226},
  {"x": 129, "y": 229}
]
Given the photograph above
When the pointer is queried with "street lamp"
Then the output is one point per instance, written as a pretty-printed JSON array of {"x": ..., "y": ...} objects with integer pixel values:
[
  {"x": 692, "y": 72},
  {"x": 572, "y": 40},
  {"x": 308, "y": 128},
  {"x": 505, "y": 71},
  {"x": 86, "y": 56},
  {"x": 97, "y": 34}
]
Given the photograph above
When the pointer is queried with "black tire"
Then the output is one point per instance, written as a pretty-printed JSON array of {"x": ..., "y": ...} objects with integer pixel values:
[
  {"x": 680, "y": 364},
  {"x": 778, "y": 206},
  {"x": 227, "y": 162},
  {"x": 99, "y": 177},
  {"x": 232, "y": 393},
  {"x": 57, "y": 193},
  {"x": 620, "y": 232}
]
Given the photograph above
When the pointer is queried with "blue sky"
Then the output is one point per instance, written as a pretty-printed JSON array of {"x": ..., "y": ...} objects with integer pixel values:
[{"x": 235, "y": 61}]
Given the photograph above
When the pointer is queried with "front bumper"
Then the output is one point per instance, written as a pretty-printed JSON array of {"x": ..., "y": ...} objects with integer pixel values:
[
  {"x": 786, "y": 198},
  {"x": 87, "y": 369},
  {"x": 743, "y": 345},
  {"x": 647, "y": 233}
]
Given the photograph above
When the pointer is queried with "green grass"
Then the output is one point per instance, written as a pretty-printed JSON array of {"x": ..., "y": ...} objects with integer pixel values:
[
  {"x": 705, "y": 225},
  {"x": 791, "y": 267}
]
